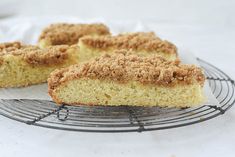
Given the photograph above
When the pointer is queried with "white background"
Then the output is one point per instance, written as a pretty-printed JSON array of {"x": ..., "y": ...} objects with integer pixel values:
[{"x": 204, "y": 26}]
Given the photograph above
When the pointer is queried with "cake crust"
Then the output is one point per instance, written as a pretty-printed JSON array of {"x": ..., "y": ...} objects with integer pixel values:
[
  {"x": 123, "y": 67},
  {"x": 140, "y": 41},
  {"x": 69, "y": 34}
]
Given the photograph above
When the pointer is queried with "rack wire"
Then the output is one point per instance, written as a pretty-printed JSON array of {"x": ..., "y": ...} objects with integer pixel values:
[{"x": 123, "y": 118}]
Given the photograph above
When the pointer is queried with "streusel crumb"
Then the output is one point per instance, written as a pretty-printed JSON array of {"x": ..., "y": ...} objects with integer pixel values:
[
  {"x": 69, "y": 34},
  {"x": 33, "y": 55},
  {"x": 141, "y": 41},
  {"x": 123, "y": 67}
]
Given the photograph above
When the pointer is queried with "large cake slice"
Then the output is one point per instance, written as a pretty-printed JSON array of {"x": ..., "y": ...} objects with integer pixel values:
[
  {"x": 126, "y": 79},
  {"x": 141, "y": 43},
  {"x": 69, "y": 34},
  {"x": 22, "y": 65}
]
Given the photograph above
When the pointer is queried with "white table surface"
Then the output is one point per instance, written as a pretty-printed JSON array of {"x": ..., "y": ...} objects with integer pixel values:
[{"x": 215, "y": 137}]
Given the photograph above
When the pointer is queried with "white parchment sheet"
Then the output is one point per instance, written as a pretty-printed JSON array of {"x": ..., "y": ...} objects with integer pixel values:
[{"x": 28, "y": 30}]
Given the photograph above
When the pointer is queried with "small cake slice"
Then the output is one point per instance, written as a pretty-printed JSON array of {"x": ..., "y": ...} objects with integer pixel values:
[
  {"x": 23, "y": 65},
  {"x": 69, "y": 34},
  {"x": 125, "y": 79},
  {"x": 142, "y": 43}
]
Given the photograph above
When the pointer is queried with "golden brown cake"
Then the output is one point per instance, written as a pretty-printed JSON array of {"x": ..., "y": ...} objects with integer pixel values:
[
  {"x": 23, "y": 65},
  {"x": 126, "y": 79},
  {"x": 69, "y": 34},
  {"x": 141, "y": 43}
]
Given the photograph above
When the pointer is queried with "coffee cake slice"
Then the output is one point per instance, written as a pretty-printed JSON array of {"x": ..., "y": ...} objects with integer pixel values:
[
  {"x": 127, "y": 79},
  {"x": 142, "y": 43},
  {"x": 23, "y": 65},
  {"x": 69, "y": 34}
]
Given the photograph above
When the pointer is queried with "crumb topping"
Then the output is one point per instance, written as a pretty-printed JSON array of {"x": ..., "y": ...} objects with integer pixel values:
[
  {"x": 33, "y": 55},
  {"x": 69, "y": 34},
  {"x": 124, "y": 67},
  {"x": 9, "y": 46},
  {"x": 141, "y": 41}
]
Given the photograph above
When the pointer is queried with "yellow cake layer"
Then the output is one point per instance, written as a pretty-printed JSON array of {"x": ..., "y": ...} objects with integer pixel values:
[
  {"x": 140, "y": 43},
  {"x": 86, "y": 53},
  {"x": 127, "y": 79},
  {"x": 16, "y": 70},
  {"x": 100, "y": 92}
]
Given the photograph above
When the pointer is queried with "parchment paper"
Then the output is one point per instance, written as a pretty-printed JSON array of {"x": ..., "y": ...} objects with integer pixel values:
[{"x": 28, "y": 30}]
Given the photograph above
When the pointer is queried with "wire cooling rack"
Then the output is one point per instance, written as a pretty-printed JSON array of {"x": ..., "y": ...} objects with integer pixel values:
[{"x": 122, "y": 118}]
